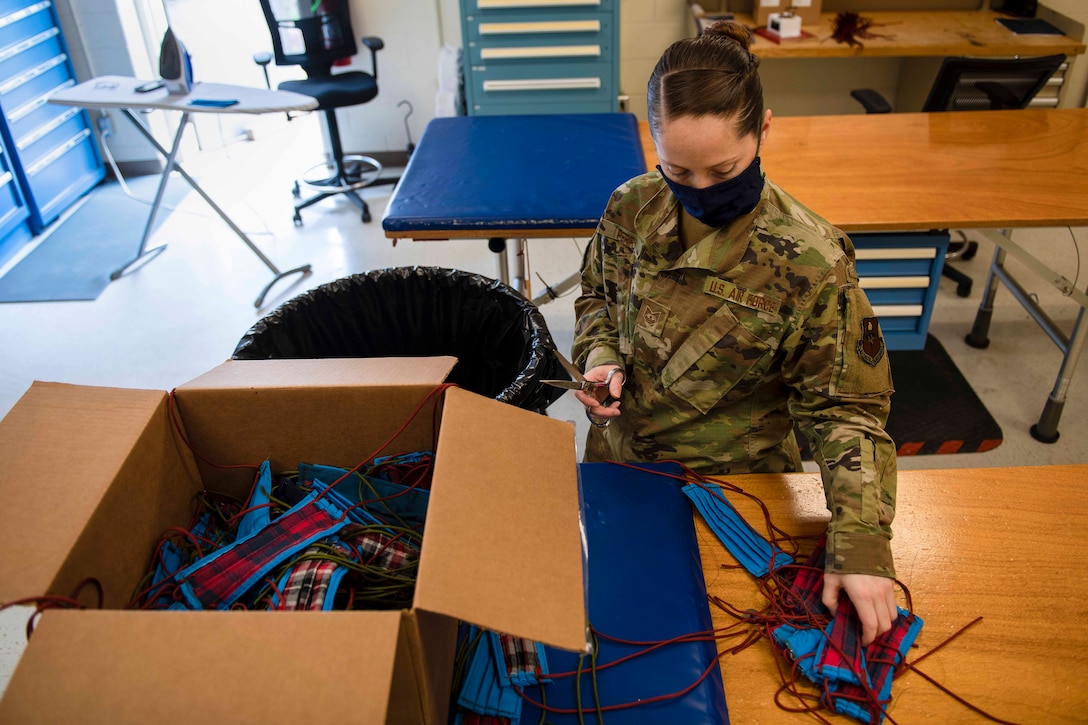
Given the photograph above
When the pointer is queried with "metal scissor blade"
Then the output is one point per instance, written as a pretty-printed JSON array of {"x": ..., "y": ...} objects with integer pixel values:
[
  {"x": 568, "y": 384},
  {"x": 569, "y": 367}
]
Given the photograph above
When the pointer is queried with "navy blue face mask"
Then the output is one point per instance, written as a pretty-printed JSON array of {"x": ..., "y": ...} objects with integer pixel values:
[{"x": 721, "y": 203}]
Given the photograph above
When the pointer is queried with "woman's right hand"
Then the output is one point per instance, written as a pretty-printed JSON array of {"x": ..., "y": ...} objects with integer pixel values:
[{"x": 613, "y": 375}]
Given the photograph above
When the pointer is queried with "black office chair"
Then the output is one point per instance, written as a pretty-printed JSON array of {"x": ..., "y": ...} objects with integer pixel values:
[
  {"x": 315, "y": 36},
  {"x": 975, "y": 84}
]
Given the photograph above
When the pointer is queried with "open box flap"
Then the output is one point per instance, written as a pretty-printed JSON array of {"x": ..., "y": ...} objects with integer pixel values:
[
  {"x": 123, "y": 667},
  {"x": 325, "y": 372},
  {"x": 245, "y": 411},
  {"x": 503, "y": 546},
  {"x": 62, "y": 446}
]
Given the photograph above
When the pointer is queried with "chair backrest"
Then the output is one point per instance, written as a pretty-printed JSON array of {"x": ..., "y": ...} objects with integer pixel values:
[
  {"x": 310, "y": 33},
  {"x": 976, "y": 84}
]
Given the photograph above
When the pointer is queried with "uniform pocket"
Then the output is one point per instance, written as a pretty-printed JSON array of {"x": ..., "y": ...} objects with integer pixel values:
[
  {"x": 712, "y": 360},
  {"x": 861, "y": 367}
]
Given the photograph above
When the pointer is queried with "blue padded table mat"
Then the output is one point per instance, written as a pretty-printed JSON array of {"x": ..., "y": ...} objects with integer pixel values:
[
  {"x": 473, "y": 174},
  {"x": 646, "y": 584}
]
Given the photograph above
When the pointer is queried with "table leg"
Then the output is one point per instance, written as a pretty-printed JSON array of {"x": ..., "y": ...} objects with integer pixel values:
[
  {"x": 498, "y": 246},
  {"x": 521, "y": 267},
  {"x": 171, "y": 157},
  {"x": 1046, "y": 430},
  {"x": 980, "y": 332},
  {"x": 171, "y": 164}
]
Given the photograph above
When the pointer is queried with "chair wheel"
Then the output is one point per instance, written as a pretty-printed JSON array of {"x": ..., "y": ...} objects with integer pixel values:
[
  {"x": 297, "y": 219},
  {"x": 296, "y": 191},
  {"x": 963, "y": 289},
  {"x": 366, "y": 216}
]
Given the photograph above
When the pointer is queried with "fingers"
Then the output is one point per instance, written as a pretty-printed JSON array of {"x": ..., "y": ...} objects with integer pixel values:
[
  {"x": 830, "y": 596},
  {"x": 873, "y": 598}
]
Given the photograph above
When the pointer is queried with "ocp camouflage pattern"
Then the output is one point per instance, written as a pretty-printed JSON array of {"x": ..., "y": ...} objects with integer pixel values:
[{"x": 730, "y": 342}]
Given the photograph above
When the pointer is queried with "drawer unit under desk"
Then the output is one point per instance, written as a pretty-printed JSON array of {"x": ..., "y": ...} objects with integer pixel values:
[
  {"x": 900, "y": 273},
  {"x": 541, "y": 56}
]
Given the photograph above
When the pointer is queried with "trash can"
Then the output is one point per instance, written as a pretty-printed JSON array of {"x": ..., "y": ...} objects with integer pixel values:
[{"x": 500, "y": 339}]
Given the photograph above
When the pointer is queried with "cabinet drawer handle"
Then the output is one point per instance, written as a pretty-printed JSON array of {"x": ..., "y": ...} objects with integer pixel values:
[
  {"x": 559, "y": 26},
  {"x": 903, "y": 253},
  {"x": 58, "y": 152},
  {"x": 502, "y": 4},
  {"x": 33, "y": 73},
  {"x": 15, "y": 49},
  {"x": 26, "y": 12},
  {"x": 44, "y": 130},
  {"x": 897, "y": 310},
  {"x": 894, "y": 282},
  {"x": 544, "y": 51},
  {"x": 543, "y": 84},
  {"x": 35, "y": 103}
]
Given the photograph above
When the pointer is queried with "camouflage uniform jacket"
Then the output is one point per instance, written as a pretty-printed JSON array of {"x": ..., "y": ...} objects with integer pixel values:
[{"x": 726, "y": 343}]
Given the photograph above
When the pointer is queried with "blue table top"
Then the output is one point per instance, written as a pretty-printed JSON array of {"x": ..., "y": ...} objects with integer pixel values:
[{"x": 480, "y": 176}]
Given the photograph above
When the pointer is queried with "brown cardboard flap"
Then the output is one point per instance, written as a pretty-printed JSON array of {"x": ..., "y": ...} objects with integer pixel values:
[
  {"x": 503, "y": 548},
  {"x": 331, "y": 372},
  {"x": 121, "y": 667},
  {"x": 62, "y": 447}
]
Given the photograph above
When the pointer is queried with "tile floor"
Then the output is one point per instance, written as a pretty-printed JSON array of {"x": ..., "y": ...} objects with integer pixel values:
[{"x": 183, "y": 313}]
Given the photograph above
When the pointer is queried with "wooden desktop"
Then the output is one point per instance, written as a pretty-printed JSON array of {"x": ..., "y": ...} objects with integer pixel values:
[
  {"x": 917, "y": 33},
  {"x": 1003, "y": 544}
]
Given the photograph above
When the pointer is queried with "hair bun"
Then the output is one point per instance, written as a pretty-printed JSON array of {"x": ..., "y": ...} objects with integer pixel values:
[{"x": 730, "y": 30}]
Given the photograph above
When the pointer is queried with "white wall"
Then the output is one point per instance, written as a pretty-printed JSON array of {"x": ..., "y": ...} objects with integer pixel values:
[{"x": 105, "y": 38}]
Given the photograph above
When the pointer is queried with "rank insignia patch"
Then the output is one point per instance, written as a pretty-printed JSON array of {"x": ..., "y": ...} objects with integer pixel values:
[{"x": 871, "y": 344}]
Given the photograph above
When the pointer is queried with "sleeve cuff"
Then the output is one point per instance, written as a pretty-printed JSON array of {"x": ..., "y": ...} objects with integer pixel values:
[{"x": 859, "y": 554}]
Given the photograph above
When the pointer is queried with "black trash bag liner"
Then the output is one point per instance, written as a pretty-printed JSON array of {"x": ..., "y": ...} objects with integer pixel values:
[{"x": 500, "y": 339}]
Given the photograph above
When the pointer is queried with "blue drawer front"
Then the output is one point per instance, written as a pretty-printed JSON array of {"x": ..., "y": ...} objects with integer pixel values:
[
  {"x": 29, "y": 119},
  {"x": 18, "y": 25},
  {"x": 22, "y": 57},
  {"x": 63, "y": 176},
  {"x": 904, "y": 309},
  {"x": 12, "y": 209},
  {"x": 28, "y": 86},
  {"x": 20, "y": 7},
  {"x": 38, "y": 143}
]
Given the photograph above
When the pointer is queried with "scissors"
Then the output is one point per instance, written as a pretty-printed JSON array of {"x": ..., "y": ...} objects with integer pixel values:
[{"x": 596, "y": 390}]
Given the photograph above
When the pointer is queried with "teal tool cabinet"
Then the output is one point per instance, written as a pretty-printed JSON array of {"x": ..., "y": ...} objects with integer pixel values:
[
  {"x": 540, "y": 56},
  {"x": 900, "y": 273},
  {"x": 14, "y": 229},
  {"x": 53, "y": 153}
]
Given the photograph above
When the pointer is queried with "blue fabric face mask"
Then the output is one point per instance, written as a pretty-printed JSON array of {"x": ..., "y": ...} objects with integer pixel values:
[{"x": 721, "y": 203}]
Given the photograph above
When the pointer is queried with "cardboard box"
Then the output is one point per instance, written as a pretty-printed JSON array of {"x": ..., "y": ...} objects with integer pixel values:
[{"x": 92, "y": 476}]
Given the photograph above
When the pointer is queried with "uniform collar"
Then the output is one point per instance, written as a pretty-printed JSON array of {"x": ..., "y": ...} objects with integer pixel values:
[{"x": 719, "y": 251}]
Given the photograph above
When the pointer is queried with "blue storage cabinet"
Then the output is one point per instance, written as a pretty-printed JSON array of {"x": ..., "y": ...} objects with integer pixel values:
[
  {"x": 540, "y": 56},
  {"x": 900, "y": 274},
  {"x": 54, "y": 155},
  {"x": 14, "y": 230}
]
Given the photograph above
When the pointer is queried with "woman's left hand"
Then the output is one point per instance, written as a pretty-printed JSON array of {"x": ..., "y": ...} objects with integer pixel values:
[
  {"x": 613, "y": 377},
  {"x": 873, "y": 598}
]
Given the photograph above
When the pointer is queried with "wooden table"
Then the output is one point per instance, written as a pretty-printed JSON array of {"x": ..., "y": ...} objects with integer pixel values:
[
  {"x": 964, "y": 169},
  {"x": 1006, "y": 544},
  {"x": 985, "y": 170},
  {"x": 917, "y": 33}
]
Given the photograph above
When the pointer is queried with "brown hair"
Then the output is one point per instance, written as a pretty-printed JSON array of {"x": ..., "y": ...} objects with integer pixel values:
[{"x": 713, "y": 74}]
